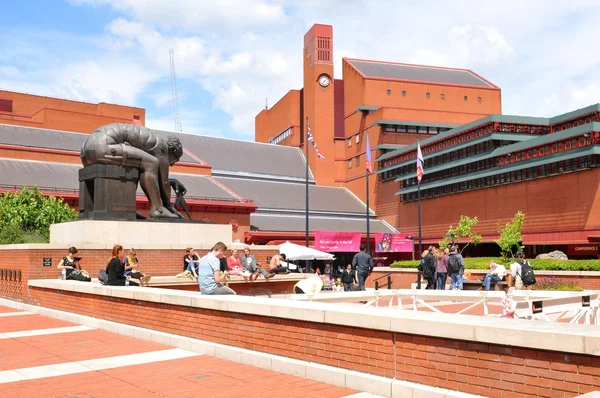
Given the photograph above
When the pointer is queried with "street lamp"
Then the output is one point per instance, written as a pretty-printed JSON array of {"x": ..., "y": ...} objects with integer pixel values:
[{"x": 412, "y": 238}]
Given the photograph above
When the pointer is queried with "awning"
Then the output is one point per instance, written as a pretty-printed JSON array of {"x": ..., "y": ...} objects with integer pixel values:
[{"x": 297, "y": 252}]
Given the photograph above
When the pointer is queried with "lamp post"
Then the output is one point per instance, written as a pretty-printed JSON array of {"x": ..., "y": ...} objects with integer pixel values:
[
  {"x": 412, "y": 238},
  {"x": 451, "y": 236}
]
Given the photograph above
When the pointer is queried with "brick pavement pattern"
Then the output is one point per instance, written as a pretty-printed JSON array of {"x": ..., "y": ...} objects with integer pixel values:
[{"x": 198, "y": 376}]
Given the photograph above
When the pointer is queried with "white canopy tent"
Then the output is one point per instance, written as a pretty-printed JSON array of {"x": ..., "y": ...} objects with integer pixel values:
[{"x": 297, "y": 252}]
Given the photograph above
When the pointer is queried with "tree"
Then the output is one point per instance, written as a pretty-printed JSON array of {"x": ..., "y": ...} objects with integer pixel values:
[
  {"x": 25, "y": 216},
  {"x": 510, "y": 236},
  {"x": 464, "y": 230}
]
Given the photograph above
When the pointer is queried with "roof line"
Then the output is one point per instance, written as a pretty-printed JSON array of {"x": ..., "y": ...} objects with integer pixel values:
[
  {"x": 226, "y": 188},
  {"x": 41, "y": 128},
  {"x": 263, "y": 177},
  {"x": 333, "y": 217},
  {"x": 70, "y": 100},
  {"x": 275, "y": 181}
]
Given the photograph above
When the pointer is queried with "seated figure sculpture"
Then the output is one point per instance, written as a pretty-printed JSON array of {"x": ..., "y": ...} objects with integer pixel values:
[{"x": 152, "y": 152}]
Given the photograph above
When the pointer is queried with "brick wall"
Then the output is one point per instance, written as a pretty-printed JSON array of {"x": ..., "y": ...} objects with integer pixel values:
[
  {"x": 486, "y": 369},
  {"x": 29, "y": 262}
]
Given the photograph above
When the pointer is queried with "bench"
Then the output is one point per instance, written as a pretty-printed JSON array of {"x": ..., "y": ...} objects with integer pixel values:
[{"x": 476, "y": 285}]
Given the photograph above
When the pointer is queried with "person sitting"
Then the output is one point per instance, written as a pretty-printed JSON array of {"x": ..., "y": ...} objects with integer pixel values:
[
  {"x": 209, "y": 272},
  {"x": 275, "y": 266},
  {"x": 234, "y": 264},
  {"x": 69, "y": 262},
  {"x": 115, "y": 269},
  {"x": 131, "y": 268},
  {"x": 190, "y": 260},
  {"x": 252, "y": 266},
  {"x": 495, "y": 275}
]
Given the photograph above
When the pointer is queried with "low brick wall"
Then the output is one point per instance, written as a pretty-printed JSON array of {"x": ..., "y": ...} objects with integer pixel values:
[
  {"x": 402, "y": 278},
  {"x": 469, "y": 365},
  {"x": 28, "y": 260}
]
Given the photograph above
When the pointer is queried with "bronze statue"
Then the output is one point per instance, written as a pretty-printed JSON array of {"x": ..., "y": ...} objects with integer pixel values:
[
  {"x": 150, "y": 151},
  {"x": 180, "y": 192}
]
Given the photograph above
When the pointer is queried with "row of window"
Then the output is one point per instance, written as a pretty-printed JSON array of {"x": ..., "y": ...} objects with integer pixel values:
[
  {"x": 551, "y": 169},
  {"x": 585, "y": 119},
  {"x": 356, "y": 160},
  {"x": 281, "y": 136},
  {"x": 476, "y": 149},
  {"x": 357, "y": 139},
  {"x": 413, "y": 129},
  {"x": 428, "y": 95}
]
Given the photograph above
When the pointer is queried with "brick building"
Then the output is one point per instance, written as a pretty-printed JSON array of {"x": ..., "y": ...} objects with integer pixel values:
[
  {"x": 61, "y": 114},
  {"x": 478, "y": 162},
  {"x": 257, "y": 188}
]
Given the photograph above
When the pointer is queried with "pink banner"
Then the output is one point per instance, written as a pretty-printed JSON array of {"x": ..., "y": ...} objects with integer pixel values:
[
  {"x": 398, "y": 243},
  {"x": 329, "y": 241}
]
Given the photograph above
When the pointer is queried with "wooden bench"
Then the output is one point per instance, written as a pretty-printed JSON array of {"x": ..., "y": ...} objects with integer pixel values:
[{"x": 476, "y": 285}]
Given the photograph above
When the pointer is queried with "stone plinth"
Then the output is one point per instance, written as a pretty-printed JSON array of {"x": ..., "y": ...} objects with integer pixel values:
[
  {"x": 108, "y": 192},
  {"x": 139, "y": 233}
]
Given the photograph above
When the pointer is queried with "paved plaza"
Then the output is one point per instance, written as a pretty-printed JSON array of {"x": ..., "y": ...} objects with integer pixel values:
[{"x": 44, "y": 357}]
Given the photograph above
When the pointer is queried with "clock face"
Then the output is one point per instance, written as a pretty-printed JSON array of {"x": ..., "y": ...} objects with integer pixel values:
[{"x": 324, "y": 81}]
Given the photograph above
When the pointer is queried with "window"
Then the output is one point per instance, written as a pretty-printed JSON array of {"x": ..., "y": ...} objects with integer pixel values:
[
  {"x": 428, "y": 95},
  {"x": 281, "y": 136},
  {"x": 357, "y": 160},
  {"x": 403, "y": 93},
  {"x": 350, "y": 164},
  {"x": 442, "y": 96},
  {"x": 136, "y": 117},
  {"x": 6, "y": 105},
  {"x": 478, "y": 99},
  {"x": 389, "y": 92},
  {"x": 465, "y": 98},
  {"x": 349, "y": 142},
  {"x": 357, "y": 138}
]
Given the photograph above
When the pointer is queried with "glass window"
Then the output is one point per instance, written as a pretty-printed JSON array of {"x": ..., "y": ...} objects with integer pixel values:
[
  {"x": 350, "y": 164},
  {"x": 404, "y": 93},
  {"x": 478, "y": 99},
  {"x": 442, "y": 96},
  {"x": 358, "y": 160},
  {"x": 349, "y": 142},
  {"x": 389, "y": 92},
  {"x": 427, "y": 95},
  {"x": 357, "y": 138},
  {"x": 390, "y": 128}
]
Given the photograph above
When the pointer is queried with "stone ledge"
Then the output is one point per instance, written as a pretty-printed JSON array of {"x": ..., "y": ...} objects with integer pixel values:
[
  {"x": 158, "y": 281},
  {"x": 574, "y": 338}
]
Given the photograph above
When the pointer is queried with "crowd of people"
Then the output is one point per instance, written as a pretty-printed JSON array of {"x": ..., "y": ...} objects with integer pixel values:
[{"x": 437, "y": 265}]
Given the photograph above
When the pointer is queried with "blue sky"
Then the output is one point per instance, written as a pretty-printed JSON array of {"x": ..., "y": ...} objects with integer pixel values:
[{"x": 232, "y": 54}]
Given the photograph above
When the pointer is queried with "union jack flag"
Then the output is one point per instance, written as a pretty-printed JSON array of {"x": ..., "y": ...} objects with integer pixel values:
[
  {"x": 310, "y": 138},
  {"x": 420, "y": 163}
]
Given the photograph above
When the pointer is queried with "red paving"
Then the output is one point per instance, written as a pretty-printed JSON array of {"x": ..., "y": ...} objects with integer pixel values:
[
  {"x": 199, "y": 376},
  {"x": 30, "y": 322}
]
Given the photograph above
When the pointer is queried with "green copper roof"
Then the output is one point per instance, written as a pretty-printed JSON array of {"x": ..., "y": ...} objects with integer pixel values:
[
  {"x": 416, "y": 124},
  {"x": 516, "y": 147},
  {"x": 494, "y": 136},
  {"x": 388, "y": 146},
  {"x": 367, "y": 108},
  {"x": 575, "y": 113},
  {"x": 541, "y": 121},
  {"x": 595, "y": 150}
]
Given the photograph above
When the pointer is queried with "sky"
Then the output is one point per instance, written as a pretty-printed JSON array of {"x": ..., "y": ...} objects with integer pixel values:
[{"x": 233, "y": 56}]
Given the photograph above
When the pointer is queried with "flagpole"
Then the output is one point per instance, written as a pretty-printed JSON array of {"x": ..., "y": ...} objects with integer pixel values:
[
  {"x": 419, "y": 222},
  {"x": 368, "y": 223},
  {"x": 306, "y": 154}
]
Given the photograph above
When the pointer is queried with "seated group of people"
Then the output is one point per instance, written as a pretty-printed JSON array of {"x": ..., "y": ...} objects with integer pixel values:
[
  {"x": 520, "y": 270},
  {"x": 121, "y": 270},
  {"x": 245, "y": 265}
]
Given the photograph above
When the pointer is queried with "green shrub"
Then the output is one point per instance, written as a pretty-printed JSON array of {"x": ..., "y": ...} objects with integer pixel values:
[
  {"x": 546, "y": 265},
  {"x": 13, "y": 235},
  {"x": 554, "y": 283}
]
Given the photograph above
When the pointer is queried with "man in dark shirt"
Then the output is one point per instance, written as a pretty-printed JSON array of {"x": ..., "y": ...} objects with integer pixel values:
[
  {"x": 363, "y": 263},
  {"x": 429, "y": 268}
]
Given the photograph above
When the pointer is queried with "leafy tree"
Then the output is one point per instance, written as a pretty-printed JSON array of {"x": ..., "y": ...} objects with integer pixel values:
[
  {"x": 510, "y": 236},
  {"x": 25, "y": 216},
  {"x": 464, "y": 230}
]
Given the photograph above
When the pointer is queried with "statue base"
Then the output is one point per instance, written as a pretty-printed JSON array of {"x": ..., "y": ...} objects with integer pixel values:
[{"x": 140, "y": 233}]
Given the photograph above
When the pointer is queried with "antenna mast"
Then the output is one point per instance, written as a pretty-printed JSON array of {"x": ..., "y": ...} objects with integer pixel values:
[{"x": 174, "y": 87}]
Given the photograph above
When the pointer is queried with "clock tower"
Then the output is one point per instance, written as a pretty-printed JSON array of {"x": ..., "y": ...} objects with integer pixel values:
[{"x": 318, "y": 107}]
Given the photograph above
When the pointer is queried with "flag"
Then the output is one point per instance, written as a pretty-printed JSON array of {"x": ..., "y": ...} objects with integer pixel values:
[
  {"x": 420, "y": 163},
  {"x": 310, "y": 138},
  {"x": 368, "y": 154}
]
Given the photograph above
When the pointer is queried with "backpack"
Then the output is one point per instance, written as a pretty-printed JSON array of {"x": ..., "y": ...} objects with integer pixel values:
[
  {"x": 527, "y": 275},
  {"x": 453, "y": 264},
  {"x": 103, "y": 277}
]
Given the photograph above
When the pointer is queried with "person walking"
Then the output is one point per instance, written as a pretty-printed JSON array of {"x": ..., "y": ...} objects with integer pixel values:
[
  {"x": 363, "y": 264},
  {"x": 349, "y": 278}
]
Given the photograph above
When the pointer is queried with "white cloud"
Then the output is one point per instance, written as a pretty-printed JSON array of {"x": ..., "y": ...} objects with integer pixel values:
[{"x": 240, "y": 52}]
